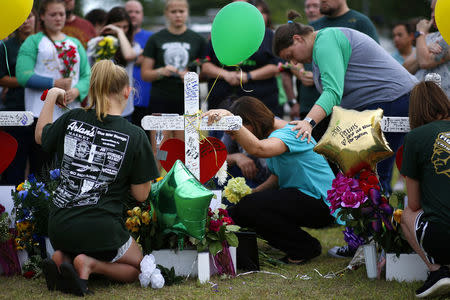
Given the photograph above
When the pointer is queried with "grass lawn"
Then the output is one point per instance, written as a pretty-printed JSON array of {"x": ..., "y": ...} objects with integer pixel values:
[{"x": 349, "y": 285}]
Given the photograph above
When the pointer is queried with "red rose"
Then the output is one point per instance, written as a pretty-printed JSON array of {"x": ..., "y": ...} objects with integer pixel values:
[
  {"x": 214, "y": 225},
  {"x": 66, "y": 62},
  {"x": 228, "y": 220},
  {"x": 223, "y": 212},
  {"x": 2, "y": 209},
  {"x": 44, "y": 95},
  {"x": 210, "y": 213},
  {"x": 29, "y": 274}
]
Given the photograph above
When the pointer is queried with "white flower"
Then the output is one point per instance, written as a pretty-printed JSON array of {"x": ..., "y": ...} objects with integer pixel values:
[
  {"x": 150, "y": 274},
  {"x": 222, "y": 174}
]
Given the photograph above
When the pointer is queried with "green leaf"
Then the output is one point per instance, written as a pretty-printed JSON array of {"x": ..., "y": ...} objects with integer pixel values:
[
  {"x": 212, "y": 236},
  {"x": 231, "y": 239},
  {"x": 233, "y": 228},
  {"x": 215, "y": 247}
]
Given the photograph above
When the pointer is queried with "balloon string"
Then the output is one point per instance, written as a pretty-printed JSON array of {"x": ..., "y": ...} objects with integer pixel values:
[
  {"x": 212, "y": 87},
  {"x": 6, "y": 58},
  {"x": 242, "y": 87}
]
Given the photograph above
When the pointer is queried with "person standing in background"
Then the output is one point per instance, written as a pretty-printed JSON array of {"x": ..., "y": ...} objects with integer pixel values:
[
  {"x": 403, "y": 36},
  {"x": 97, "y": 17},
  {"x": 76, "y": 26},
  {"x": 15, "y": 101},
  {"x": 307, "y": 93},
  {"x": 426, "y": 59},
  {"x": 142, "y": 88}
]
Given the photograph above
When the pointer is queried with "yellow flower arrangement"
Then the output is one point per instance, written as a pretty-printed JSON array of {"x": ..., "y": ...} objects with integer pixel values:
[{"x": 235, "y": 189}]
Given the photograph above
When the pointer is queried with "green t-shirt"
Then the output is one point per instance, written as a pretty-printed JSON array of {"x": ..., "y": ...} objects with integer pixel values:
[
  {"x": 176, "y": 50},
  {"x": 426, "y": 158},
  {"x": 14, "y": 98},
  {"x": 99, "y": 161},
  {"x": 308, "y": 95}
]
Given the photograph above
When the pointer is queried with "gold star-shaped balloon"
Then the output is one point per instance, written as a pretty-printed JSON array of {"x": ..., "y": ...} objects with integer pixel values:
[{"x": 354, "y": 140}]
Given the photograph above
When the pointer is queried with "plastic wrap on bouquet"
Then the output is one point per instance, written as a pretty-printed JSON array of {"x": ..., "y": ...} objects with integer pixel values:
[
  {"x": 9, "y": 262},
  {"x": 181, "y": 202}
]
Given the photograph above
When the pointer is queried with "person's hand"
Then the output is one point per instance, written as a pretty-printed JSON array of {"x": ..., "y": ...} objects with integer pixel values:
[
  {"x": 424, "y": 25},
  {"x": 59, "y": 95},
  {"x": 63, "y": 83},
  {"x": 71, "y": 95},
  {"x": 110, "y": 28},
  {"x": 214, "y": 115},
  {"x": 247, "y": 166},
  {"x": 182, "y": 73},
  {"x": 304, "y": 129},
  {"x": 435, "y": 48},
  {"x": 295, "y": 111},
  {"x": 306, "y": 78},
  {"x": 231, "y": 78}
]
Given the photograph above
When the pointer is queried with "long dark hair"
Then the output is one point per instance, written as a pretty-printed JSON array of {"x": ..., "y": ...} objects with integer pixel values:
[
  {"x": 118, "y": 14},
  {"x": 427, "y": 103},
  {"x": 265, "y": 10},
  {"x": 254, "y": 113},
  {"x": 282, "y": 38}
]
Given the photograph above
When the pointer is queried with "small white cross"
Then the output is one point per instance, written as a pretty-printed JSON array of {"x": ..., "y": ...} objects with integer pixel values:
[
  {"x": 16, "y": 118},
  {"x": 190, "y": 123}
]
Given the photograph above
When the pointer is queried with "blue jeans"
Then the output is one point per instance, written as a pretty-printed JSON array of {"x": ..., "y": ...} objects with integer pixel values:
[{"x": 397, "y": 108}]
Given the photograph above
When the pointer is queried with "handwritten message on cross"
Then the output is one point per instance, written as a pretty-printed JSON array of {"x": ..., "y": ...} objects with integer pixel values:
[
  {"x": 16, "y": 118},
  {"x": 191, "y": 123}
]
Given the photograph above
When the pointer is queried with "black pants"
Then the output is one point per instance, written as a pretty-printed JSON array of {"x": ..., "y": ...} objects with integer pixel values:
[{"x": 277, "y": 216}]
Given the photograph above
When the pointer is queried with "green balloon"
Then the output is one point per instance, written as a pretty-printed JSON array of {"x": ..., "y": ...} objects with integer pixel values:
[
  {"x": 181, "y": 202},
  {"x": 237, "y": 32}
]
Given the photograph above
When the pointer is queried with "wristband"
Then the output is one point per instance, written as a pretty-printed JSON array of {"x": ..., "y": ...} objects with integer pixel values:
[
  {"x": 418, "y": 33},
  {"x": 310, "y": 121},
  {"x": 249, "y": 76},
  {"x": 292, "y": 102}
]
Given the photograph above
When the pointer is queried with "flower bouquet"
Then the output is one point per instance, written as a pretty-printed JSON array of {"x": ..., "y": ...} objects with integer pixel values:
[
  {"x": 220, "y": 235},
  {"x": 366, "y": 212},
  {"x": 102, "y": 47},
  {"x": 68, "y": 56},
  {"x": 9, "y": 262},
  {"x": 235, "y": 189},
  {"x": 31, "y": 204}
]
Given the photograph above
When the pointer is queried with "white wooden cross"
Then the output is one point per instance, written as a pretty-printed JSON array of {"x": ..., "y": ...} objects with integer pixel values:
[
  {"x": 16, "y": 118},
  {"x": 190, "y": 123}
]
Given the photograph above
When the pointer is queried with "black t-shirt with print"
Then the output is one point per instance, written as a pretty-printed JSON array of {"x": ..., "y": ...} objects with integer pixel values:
[
  {"x": 176, "y": 50},
  {"x": 426, "y": 158},
  {"x": 99, "y": 161}
]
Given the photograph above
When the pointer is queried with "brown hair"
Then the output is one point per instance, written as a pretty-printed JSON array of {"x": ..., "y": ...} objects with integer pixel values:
[
  {"x": 43, "y": 8},
  {"x": 168, "y": 2},
  {"x": 283, "y": 35},
  {"x": 106, "y": 79},
  {"x": 254, "y": 113},
  {"x": 427, "y": 103},
  {"x": 265, "y": 10}
]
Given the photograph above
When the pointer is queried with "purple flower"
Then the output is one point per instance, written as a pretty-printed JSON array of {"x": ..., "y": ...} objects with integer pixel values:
[
  {"x": 55, "y": 174},
  {"x": 386, "y": 208},
  {"x": 375, "y": 196},
  {"x": 31, "y": 178},
  {"x": 23, "y": 194},
  {"x": 376, "y": 224},
  {"x": 387, "y": 222},
  {"x": 353, "y": 240},
  {"x": 2, "y": 209}
]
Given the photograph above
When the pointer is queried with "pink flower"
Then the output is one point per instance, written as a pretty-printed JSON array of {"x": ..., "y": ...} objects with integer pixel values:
[{"x": 353, "y": 199}]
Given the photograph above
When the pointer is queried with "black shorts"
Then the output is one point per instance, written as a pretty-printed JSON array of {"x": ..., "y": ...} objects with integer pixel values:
[{"x": 434, "y": 239}]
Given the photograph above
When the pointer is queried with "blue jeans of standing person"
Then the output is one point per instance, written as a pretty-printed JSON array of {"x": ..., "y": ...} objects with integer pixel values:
[{"x": 397, "y": 108}]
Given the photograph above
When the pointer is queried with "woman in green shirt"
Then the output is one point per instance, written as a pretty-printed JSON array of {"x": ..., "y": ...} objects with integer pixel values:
[
  {"x": 103, "y": 159},
  {"x": 350, "y": 70}
]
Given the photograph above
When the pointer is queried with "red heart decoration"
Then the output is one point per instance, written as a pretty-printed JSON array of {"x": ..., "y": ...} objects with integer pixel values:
[
  {"x": 7, "y": 150},
  {"x": 213, "y": 154}
]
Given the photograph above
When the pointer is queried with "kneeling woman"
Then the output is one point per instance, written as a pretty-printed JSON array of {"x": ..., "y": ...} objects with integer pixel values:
[
  {"x": 294, "y": 195},
  {"x": 103, "y": 158}
]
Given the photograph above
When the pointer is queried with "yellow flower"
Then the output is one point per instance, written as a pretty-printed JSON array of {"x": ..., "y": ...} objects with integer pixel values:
[
  {"x": 20, "y": 187},
  {"x": 159, "y": 178},
  {"x": 129, "y": 213},
  {"x": 398, "y": 215},
  {"x": 135, "y": 229},
  {"x": 129, "y": 224},
  {"x": 136, "y": 221},
  {"x": 102, "y": 42},
  {"x": 137, "y": 211},
  {"x": 145, "y": 217}
]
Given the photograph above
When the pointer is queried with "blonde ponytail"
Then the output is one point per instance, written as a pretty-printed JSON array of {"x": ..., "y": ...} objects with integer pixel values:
[{"x": 106, "y": 79}]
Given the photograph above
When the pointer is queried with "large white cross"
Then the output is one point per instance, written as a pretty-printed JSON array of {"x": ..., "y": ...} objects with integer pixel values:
[
  {"x": 190, "y": 123},
  {"x": 16, "y": 118}
]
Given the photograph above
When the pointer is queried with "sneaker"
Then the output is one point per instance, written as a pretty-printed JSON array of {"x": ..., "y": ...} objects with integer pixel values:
[
  {"x": 341, "y": 252},
  {"x": 437, "y": 284}
]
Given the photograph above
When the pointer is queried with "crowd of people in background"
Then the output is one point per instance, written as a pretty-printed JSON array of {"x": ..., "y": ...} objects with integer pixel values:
[{"x": 298, "y": 74}]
